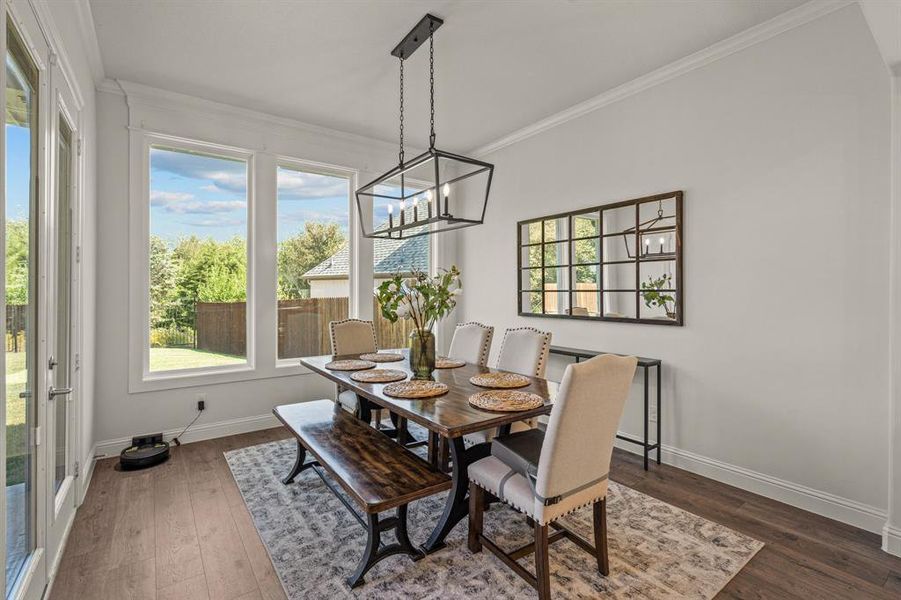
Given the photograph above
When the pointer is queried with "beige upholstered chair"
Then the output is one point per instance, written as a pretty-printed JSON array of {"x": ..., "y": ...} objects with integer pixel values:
[
  {"x": 524, "y": 350},
  {"x": 352, "y": 336},
  {"x": 571, "y": 470},
  {"x": 472, "y": 343}
]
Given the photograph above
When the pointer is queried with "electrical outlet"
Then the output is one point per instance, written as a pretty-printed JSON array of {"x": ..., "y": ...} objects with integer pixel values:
[{"x": 201, "y": 401}]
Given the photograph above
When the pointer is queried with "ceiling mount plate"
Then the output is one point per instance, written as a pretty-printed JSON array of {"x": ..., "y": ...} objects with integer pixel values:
[{"x": 416, "y": 37}]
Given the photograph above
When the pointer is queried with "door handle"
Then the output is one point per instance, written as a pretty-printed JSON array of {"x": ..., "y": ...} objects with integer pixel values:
[{"x": 54, "y": 392}]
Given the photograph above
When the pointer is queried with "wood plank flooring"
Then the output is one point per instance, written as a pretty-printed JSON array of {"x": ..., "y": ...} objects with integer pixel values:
[{"x": 181, "y": 531}]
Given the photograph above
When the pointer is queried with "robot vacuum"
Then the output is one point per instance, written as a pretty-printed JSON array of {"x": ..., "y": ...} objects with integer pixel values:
[{"x": 145, "y": 451}]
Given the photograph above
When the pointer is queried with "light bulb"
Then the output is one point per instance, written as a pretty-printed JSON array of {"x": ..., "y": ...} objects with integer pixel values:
[
  {"x": 415, "y": 201},
  {"x": 390, "y": 208},
  {"x": 661, "y": 241},
  {"x": 446, "y": 190},
  {"x": 428, "y": 195},
  {"x": 647, "y": 242},
  {"x": 403, "y": 205}
]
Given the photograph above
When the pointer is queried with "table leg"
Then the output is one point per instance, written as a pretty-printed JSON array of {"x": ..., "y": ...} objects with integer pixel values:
[
  {"x": 659, "y": 418},
  {"x": 647, "y": 417},
  {"x": 433, "y": 449},
  {"x": 364, "y": 409},
  {"x": 457, "y": 505}
]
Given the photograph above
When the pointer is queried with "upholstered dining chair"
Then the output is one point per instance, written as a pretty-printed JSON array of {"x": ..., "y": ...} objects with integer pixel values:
[
  {"x": 471, "y": 342},
  {"x": 524, "y": 350},
  {"x": 571, "y": 470},
  {"x": 352, "y": 336}
]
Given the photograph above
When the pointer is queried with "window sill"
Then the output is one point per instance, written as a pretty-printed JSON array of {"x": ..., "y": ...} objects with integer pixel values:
[{"x": 205, "y": 377}]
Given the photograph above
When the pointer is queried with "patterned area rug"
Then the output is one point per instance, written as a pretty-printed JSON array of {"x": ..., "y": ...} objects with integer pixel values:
[{"x": 656, "y": 549}]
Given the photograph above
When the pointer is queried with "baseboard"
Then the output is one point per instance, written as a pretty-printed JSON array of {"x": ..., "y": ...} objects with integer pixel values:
[
  {"x": 54, "y": 568},
  {"x": 87, "y": 473},
  {"x": 891, "y": 539},
  {"x": 822, "y": 503},
  {"x": 197, "y": 433}
]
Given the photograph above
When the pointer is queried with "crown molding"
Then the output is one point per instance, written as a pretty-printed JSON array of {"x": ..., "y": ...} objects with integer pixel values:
[
  {"x": 140, "y": 94},
  {"x": 787, "y": 21},
  {"x": 89, "y": 39}
]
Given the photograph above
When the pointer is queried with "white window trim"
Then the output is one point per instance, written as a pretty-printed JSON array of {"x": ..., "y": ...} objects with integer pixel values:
[
  {"x": 141, "y": 379},
  {"x": 353, "y": 236}
]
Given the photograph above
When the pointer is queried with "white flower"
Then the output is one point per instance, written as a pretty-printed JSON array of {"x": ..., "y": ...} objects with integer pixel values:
[
  {"x": 457, "y": 292},
  {"x": 392, "y": 287},
  {"x": 403, "y": 310}
]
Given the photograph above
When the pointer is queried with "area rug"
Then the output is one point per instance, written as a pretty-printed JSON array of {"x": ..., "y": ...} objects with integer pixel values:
[{"x": 656, "y": 549}]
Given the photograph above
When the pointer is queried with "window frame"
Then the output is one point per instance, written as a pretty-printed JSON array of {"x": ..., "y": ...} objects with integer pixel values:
[
  {"x": 353, "y": 275},
  {"x": 141, "y": 378}
]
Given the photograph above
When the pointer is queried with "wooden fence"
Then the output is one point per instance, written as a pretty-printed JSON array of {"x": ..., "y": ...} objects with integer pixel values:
[
  {"x": 302, "y": 327},
  {"x": 16, "y": 321}
]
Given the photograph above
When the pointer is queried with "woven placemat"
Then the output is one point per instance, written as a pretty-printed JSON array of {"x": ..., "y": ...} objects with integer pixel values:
[
  {"x": 448, "y": 363},
  {"x": 379, "y": 376},
  {"x": 500, "y": 380},
  {"x": 381, "y": 357},
  {"x": 506, "y": 400},
  {"x": 417, "y": 388},
  {"x": 349, "y": 365}
]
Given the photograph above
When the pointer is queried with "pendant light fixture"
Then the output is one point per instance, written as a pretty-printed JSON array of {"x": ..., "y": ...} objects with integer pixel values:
[{"x": 435, "y": 191}]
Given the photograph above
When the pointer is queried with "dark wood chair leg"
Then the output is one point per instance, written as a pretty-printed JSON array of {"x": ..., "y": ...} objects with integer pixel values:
[
  {"x": 476, "y": 516},
  {"x": 377, "y": 417},
  {"x": 542, "y": 564},
  {"x": 600, "y": 536}
]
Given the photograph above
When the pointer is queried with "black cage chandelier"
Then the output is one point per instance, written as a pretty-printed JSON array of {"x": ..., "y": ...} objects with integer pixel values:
[{"x": 435, "y": 191}]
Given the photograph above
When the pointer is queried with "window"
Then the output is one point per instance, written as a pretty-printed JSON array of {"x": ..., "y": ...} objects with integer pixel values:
[
  {"x": 197, "y": 258},
  {"x": 314, "y": 258},
  {"x": 398, "y": 256}
]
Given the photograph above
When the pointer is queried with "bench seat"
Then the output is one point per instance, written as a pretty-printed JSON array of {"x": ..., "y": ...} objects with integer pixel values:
[{"x": 376, "y": 472}]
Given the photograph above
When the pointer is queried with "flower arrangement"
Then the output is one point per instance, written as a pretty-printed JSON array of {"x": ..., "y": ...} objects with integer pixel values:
[{"x": 425, "y": 300}]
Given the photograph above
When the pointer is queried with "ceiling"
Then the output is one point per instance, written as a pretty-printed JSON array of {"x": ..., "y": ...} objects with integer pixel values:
[{"x": 500, "y": 65}]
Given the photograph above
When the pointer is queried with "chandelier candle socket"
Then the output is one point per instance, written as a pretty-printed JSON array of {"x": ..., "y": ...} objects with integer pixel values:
[{"x": 434, "y": 171}]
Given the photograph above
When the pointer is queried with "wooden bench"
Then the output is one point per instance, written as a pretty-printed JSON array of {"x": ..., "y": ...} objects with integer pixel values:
[{"x": 376, "y": 472}]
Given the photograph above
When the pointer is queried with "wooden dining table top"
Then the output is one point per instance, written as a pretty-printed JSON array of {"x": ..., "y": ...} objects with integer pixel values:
[{"x": 449, "y": 415}]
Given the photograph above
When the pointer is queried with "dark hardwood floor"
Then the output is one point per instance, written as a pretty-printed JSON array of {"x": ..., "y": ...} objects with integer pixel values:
[{"x": 181, "y": 531}]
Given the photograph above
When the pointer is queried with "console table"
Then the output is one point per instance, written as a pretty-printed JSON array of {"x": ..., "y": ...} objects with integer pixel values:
[{"x": 645, "y": 364}]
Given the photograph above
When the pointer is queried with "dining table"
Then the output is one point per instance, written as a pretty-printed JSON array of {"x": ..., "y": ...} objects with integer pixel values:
[{"x": 449, "y": 416}]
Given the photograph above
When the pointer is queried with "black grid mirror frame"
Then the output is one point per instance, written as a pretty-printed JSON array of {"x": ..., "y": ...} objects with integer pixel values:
[{"x": 619, "y": 262}]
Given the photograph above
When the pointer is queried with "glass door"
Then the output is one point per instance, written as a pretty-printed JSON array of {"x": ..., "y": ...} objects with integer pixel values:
[
  {"x": 22, "y": 142},
  {"x": 61, "y": 363}
]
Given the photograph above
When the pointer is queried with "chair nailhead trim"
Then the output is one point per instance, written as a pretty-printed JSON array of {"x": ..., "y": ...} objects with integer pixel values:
[
  {"x": 544, "y": 345},
  {"x": 525, "y": 512},
  {"x": 486, "y": 347}
]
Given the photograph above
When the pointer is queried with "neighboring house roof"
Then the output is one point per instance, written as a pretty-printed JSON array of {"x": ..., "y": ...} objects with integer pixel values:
[{"x": 389, "y": 257}]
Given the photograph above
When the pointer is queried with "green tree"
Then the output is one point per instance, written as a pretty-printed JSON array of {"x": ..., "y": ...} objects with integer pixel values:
[
  {"x": 303, "y": 251},
  {"x": 162, "y": 280},
  {"x": 17, "y": 261}
]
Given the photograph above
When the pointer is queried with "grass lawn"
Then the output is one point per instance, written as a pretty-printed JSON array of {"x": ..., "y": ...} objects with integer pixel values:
[
  {"x": 165, "y": 359},
  {"x": 16, "y": 442}
]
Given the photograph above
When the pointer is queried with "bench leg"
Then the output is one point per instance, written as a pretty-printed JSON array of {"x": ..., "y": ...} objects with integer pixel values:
[
  {"x": 373, "y": 553},
  {"x": 299, "y": 465}
]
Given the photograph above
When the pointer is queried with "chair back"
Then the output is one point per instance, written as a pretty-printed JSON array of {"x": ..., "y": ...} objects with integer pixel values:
[
  {"x": 472, "y": 343},
  {"x": 525, "y": 351},
  {"x": 352, "y": 336},
  {"x": 578, "y": 443}
]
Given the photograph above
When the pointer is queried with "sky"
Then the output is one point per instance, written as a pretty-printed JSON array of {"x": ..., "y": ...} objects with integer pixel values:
[
  {"x": 197, "y": 194},
  {"x": 18, "y": 167}
]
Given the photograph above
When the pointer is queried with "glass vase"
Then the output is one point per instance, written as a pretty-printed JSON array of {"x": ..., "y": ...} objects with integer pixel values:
[{"x": 422, "y": 354}]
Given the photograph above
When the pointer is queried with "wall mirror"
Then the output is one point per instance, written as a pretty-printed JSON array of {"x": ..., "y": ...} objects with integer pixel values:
[{"x": 616, "y": 262}]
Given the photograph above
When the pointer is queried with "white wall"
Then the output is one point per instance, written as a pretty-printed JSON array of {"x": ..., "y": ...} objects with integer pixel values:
[
  {"x": 778, "y": 381},
  {"x": 241, "y": 405}
]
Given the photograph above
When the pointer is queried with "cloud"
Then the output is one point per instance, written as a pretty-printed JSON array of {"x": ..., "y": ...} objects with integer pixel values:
[
  {"x": 215, "y": 222},
  {"x": 183, "y": 203},
  {"x": 223, "y": 174},
  {"x": 296, "y": 185}
]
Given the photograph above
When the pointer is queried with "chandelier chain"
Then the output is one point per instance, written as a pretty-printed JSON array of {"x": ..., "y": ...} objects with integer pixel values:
[
  {"x": 431, "y": 88},
  {"x": 400, "y": 154}
]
